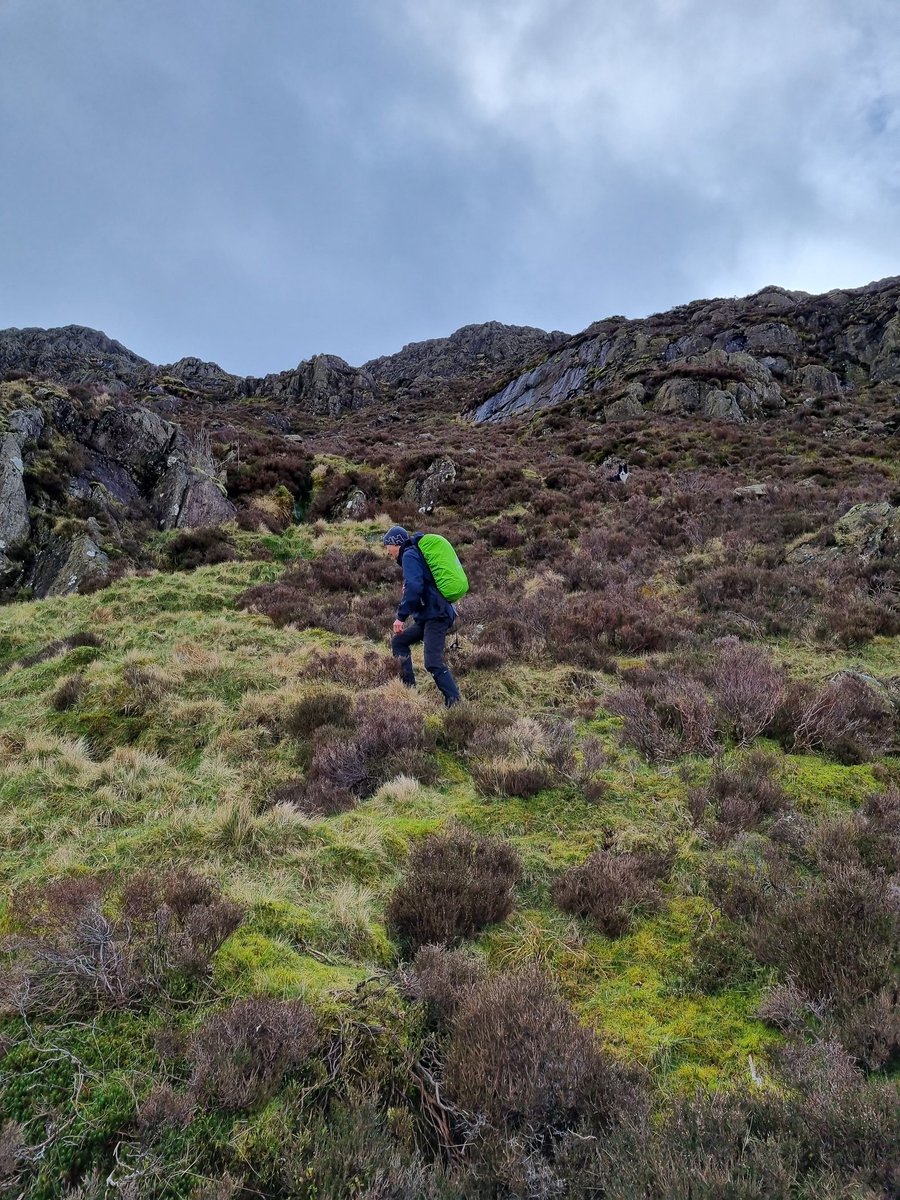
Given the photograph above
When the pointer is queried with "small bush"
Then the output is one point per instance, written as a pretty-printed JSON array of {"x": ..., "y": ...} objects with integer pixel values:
[
  {"x": 673, "y": 716},
  {"x": 316, "y": 709},
  {"x": 323, "y": 798},
  {"x": 164, "y": 1109},
  {"x": 844, "y": 718},
  {"x": 748, "y": 689},
  {"x": 241, "y": 1055},
  {"x": 68, "y": 955},
  {"x": 368, "y": 670},
  {"x": 194, "y": 548},
  {"x": 870, "y": 1031},
  {"x": 69, "y": 693},
  {"x": 468, "y": 724},
  {"x": 444, "y": 979},
  {"x": 455, "y": 884},
  {"x": 719, "y": 959},
  {"x": 741, "y": 797},
  {"x": 836, "y": 935},
  {"x": 609, "y": 888},
  {"x": 518, "y": 1056},
  {"x": 13, "y": 1152}
]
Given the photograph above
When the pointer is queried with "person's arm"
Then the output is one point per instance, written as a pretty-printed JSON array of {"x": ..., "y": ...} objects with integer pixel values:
[{"x": 413, "y": 584}]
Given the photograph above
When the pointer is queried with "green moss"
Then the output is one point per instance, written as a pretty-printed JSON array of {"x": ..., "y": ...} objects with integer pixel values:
[
  {"x": 820, "y": 785},
  {"x": 250, "y": 964}
]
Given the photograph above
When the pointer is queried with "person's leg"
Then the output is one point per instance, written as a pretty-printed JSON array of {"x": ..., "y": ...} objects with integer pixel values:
[
  {"x": 400, "y": 648},
  {"x": 435, "y": 638}
]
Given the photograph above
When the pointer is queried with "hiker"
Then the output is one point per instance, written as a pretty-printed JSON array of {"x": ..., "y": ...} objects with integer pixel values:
[{"x": 432, "y": 613}]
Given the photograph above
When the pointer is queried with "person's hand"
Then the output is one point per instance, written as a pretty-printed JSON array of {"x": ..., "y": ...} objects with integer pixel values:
[{"x": 399, "y": 626}]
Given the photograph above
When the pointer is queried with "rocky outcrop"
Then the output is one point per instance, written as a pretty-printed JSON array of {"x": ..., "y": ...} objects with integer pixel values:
[
  {"x": 325, "y": 385},
  {"x": 734, "y": 360},
  {"x": 72, "y": 354},
  {"x": 190, "y": 494},
  {"x": 428, "y": 490},
  {"x": 67, "y": 460},
  {"x": 780, "y": 346},
  {"x": 473, "y": 352},
  {"x": 69, "y": 564},
  {"x": 351, "y": 507},
  {"x": 14, "y": 521},
  {"x": 865, "y": 532}
]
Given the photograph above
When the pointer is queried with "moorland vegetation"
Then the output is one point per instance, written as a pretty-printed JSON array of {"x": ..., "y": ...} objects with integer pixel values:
[{"x": 624, "y": 923}]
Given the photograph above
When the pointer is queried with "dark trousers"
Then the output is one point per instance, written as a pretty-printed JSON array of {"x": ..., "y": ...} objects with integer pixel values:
[{"x": 434, "y": 635}]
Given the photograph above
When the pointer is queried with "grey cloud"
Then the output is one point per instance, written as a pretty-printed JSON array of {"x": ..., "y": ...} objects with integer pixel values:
[{"x": 255, "y": 184}]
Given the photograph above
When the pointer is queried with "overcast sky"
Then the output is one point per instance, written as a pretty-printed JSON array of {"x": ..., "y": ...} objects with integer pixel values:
[{"x": 257, "y": 181}]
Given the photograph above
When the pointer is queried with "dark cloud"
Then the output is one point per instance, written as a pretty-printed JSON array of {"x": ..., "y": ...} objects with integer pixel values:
[{"x": 258, "y": 183}]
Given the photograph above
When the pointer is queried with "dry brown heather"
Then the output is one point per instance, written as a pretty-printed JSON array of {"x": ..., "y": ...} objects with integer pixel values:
[{"x": 623, "y": 924}]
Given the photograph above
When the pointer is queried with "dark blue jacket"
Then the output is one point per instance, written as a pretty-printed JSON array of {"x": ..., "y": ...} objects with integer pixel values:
[{"x": 421, "y": 599}]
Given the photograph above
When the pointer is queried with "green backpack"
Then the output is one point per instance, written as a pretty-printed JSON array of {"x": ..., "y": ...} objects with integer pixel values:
[{"x": 443, "y": 563}]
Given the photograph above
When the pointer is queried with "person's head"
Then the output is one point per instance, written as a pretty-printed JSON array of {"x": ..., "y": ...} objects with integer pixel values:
[{"x": 394, "y": 539}]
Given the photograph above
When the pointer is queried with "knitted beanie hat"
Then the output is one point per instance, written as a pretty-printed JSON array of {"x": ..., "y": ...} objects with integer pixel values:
[{"x": 395, "y": 536}]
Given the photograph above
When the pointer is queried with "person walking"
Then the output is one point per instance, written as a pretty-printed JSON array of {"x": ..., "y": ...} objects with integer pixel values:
[{"x": 432, "y": 613}]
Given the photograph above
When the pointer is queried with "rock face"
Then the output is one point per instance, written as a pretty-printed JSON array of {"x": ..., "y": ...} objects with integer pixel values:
[
  {"x": 865, "y": 531},
  {"x": 69, "y": 565},
  {"x": 732, "y": 360},
  {"x": 73, "y": 354},
  {"x": 473, "y": 352},
  {"x": 120, "y": 463},
  {"x": 428, "y": 490},
  {"x": 325, "y": 386},
  {"x": 735, "y": 360},
  {"x": 14, "y": 521}
]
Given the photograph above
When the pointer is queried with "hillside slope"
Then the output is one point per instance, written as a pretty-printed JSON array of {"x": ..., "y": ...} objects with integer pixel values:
[{"x": 623, "y": 923}]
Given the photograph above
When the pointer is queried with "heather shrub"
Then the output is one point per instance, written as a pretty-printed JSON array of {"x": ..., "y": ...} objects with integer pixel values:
[
  {"x": 771, "y": 600},
  {"x": 671, "y": 717},
  {"x": 443, "y": 980},
  {"x": 825, "y": 1132},
  {"x": 323, "y": 798},
  {"x": 317, "y": 708},
  {"x": 385, "y": 742},
  {"x": 357, "y": 1147},
  {"x": 315, "y": 798},
  {"x": 61, "y": 646},
  {"x": 256, "y": 519},
  {"x": 241, "y": 1054},
  {"x": 518, "y": 1056},
  {"x": 870, "y": 1031},
  {"x": 836, "y": 934},
  {"x": 367, "y": 670},
  {"x": 69, "y": 693},
  {"x": 843, "y": 717},
  {"x": 13, "y": 1152},
  {"x": 718, "y": 958},
  {"x": 469, "y": 724},
  {"x": 609, "y": 888},
  {"x": 194, "y": 548},
  {"x": 66, "y": 954},
  {"x": 624, "y": 621},
  {"x": 163, "y": 1109},
  {"x": 454, "y": 885},
  {"x": 743, "y": 796},
  {"x": 748, "y": 689},
  {"x": 263, "y": 464}
]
